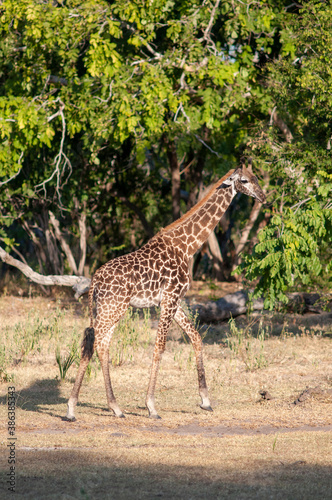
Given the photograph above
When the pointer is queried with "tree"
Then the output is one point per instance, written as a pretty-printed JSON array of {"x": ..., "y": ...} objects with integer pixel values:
[
  {"x": 294, "y": 249},
  {"x": 113, "y": 113}
]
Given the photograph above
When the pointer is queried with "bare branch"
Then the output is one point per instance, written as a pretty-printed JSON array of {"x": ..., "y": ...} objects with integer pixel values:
[
  {"x": 181, "y": 108},
  {"x": 82, "y": 227},
  {"x": 206, "y": 35},
  {"x": 15, "y": 175},
  {"x": 191, "y": 68},
  {"x": 20, "y": 49},
  {"x": 59, "y": 157},
  {"x": 208, "y": 147},
  {"x": 64, "y": 245},
  {"x": 140, "y": 214},
  {"x": 297, "y": 205},
  {"x": 11, "y": 178},
  {"x": 79, "y": 283},
  {"x": 17, "y": 252},
  {"x": 41, "y": 255},
  {"x": 50, "y": 118},
  {"x": 109, "y": 96},
  {"x": 294, "y": 4}
]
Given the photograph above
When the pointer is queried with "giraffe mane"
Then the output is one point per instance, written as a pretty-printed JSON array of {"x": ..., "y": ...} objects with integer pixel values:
[{"x": 198, "y": 205}]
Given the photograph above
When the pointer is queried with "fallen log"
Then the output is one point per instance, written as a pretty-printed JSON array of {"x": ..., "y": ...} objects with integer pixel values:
[
  {"x": 235, "y": 304},
  {"x": 229, "y": 306}
]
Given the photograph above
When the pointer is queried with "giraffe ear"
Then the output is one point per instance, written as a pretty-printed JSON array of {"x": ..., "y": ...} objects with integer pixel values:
[
  {"x": 244, "y": 169},
  {"x": 229, "y": 180}
]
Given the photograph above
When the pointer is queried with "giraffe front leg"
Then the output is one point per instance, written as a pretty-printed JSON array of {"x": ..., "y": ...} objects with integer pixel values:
[
  {"x": 150, "y": 400},
  {"x": 166, "y": 317},
  {"x": 197, "y": 344}
]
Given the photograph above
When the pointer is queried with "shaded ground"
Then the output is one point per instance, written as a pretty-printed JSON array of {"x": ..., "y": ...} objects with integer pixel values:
[{"x": 250, "y": 447}]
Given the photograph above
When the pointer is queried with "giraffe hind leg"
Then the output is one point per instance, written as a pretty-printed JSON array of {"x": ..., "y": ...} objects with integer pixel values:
[
  {"x": 86, "y": 355},
  {"x": 102, "y": 347},
  {"x": 196, "y": 340}
]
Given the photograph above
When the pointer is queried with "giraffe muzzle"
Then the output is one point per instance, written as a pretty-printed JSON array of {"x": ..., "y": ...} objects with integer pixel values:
[{"x": 261, "y": 197}]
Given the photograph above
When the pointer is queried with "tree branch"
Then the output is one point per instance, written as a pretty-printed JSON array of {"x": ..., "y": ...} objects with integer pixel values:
[
  {"x": 245, "y": 232},
  {"x": 140, "y": 214},
  {"x": 58, "y": 172},
  {"x": 80, "y": 284},
  {"x": 11, "y": 178},
  {"x": 82, "y": 227},
  {"x": 64, "y": 245},
  {"x": 279, "y": 122},
  {"x": 206, "y": 35},
  {"x": 15, "y": 175},
  {"x": 175, "y": 176},
  {"x": 57, "y": 79},
  {"x": 216, "y": 255}
]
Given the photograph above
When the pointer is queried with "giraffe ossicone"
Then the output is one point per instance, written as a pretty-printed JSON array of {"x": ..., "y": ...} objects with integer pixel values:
[{"x": 158, "y": 274}]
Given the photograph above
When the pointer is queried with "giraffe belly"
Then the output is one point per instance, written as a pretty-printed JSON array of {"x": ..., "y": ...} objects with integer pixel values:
[{"x": 146, "y": 300}]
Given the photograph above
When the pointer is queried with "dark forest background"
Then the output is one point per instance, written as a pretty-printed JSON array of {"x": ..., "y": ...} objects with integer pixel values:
[{"x": 116, "y": 116}]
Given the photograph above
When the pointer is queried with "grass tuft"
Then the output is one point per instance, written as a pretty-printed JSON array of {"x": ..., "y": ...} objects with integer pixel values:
[{"x": 245, "y": 346}]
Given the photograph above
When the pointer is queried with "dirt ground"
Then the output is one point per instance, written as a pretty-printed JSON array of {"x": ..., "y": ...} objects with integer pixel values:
[{"x": 269, "y": 436}]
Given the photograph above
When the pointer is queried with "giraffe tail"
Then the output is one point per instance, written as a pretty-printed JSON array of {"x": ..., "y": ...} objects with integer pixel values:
[
  {"x": 89, "y": 333},
  {"x": 88, "y": 342}
]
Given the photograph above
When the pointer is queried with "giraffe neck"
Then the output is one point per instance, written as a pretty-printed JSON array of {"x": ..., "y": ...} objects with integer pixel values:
[{"x": 193, "y": 229}]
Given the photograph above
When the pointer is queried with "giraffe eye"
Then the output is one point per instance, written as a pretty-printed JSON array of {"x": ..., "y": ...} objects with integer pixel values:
[{"x": 244, "y": 181}]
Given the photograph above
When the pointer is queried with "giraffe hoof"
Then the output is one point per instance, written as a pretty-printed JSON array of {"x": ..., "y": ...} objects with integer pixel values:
[
  {"x": 68, "y": 419},
  {"x": 155, "y": 416},
  {"x": 207, "y": 408},
  {"x": 121, "y": 416}
]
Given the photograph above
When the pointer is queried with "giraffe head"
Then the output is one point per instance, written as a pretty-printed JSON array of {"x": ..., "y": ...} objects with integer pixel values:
[{"x": 244, "y": 181}]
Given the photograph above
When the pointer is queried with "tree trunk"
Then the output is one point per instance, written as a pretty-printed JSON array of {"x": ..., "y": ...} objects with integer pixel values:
[
  {"x": 279, "y": 122},
  {"x": 216, "y": 256},
  {"x": 214, "y": 248},
  {"x": 245, "y": 233},
  {"x": 148, "y": 229},
  {"x": 194, "y": 170},
  {"x": 54, "y": 255},
  {"x": 82, "y": 227},
  {"x": 176, "y": 178},
  {"x": 40, "y": 253},
  {"x": 237, "y": 303},
  {"x": 64, "y": 245}
]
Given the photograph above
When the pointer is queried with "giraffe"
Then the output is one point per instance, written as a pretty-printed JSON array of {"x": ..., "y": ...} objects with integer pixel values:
[{"x": 158, "y": 274}]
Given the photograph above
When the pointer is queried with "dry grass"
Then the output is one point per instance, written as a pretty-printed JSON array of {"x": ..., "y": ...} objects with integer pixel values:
[{"x": 248, "y": 448}]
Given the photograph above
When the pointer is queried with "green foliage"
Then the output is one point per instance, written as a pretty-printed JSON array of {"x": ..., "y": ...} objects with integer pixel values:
[
  {"x": 94, "y": 93},
  {"x": 113, "y": 90},
  {"x": 294, "y": 249},
  {"x": 65, "y": 362},
  {"x": 90, "y": 90},
  {"x": 290, "y": 251}
]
